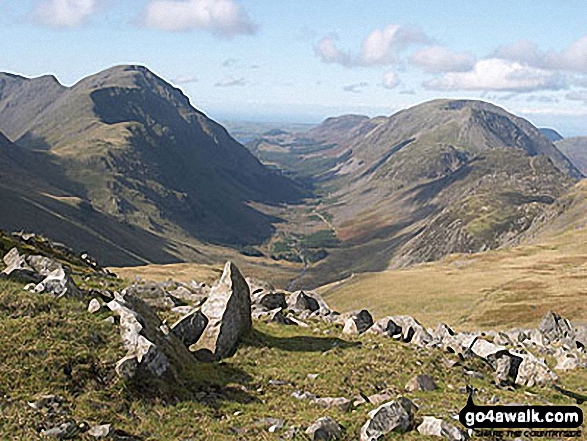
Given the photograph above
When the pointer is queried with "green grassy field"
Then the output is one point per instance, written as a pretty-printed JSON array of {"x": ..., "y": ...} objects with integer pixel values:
[{"x": 55, "y": 347}]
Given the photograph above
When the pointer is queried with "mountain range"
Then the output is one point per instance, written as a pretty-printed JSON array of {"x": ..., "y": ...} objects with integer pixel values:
[
  {"x": 124, "y": 147},
  {"x": 122, "y": 164},
  {"x": 446, "y": 176}
]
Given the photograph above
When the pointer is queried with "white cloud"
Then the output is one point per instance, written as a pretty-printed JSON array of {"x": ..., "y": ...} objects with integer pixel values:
[
  {"x": 380, "y": 47},
  {"x": 328, "y": 52},
  {"x": 499, "y": 75},
  {"x": 442, "y": 59},
  {"x": 577, "y": 95},
  {"x": 231, "y": 82},
  {"x": 571, "y": 59},
  {"x": 64, "y": 13},
  {"x": 390, "y": 80},
  {"x": 355, "y": 88},
  {"x": 222, "y": 17}
]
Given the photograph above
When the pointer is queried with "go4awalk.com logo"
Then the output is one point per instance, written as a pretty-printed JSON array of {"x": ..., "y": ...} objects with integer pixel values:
[{"x": 562, "y": 418}]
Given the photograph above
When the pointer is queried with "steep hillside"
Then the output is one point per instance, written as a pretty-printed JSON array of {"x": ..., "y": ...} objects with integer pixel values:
[
  {"x": 131, "y": 147},
  {"x": 576, "y": 150},
  {"x": 442, "y": 177}
]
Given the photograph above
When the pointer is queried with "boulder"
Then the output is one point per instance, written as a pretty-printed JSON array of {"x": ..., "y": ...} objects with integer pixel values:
[
  {"x": 581, "y": 337},
  {"x": 566, "y": 359},
  {"x": 533, "y": 371},
  {"x": 385, "y": 326},
  {"x": 190, "y": 328},
  {"x": 432, "y": 426},
  {"x": 299, "y": 301},
  {"x": 358, "y": 323},
  {"x": 553, "y": 327},
  {"x": 228, "y": 309},
  {"x": 506, "y": 368},
  {"x": 101, "y": 431},
  {"x": 149, "y": 349},
  {"x": 341, "y": 403},
  {"x": 395, "y": 416},
  {"x": 421, "y": 383},
  {"x": 48, "y": 275},
  {"x": 379, "y": 398},
  {"x": 66, "y": 430},
  {"x": 412, "y": 330},
  {"x": 272, "y": 300},
  {"x": 60, "y": 284},
  {"x": 185, "y": 294},
  {"x": 325, "y": 428}
]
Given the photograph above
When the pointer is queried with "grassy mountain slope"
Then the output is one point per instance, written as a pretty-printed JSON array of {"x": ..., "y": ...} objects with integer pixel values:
[
  {"x": 576, "y": 150},
  {"x": 131, "y": 146},
  {"x": 55, "y": 347},
  {"x": 512, "y": 285},
  {"x": 442, "y": 177}
]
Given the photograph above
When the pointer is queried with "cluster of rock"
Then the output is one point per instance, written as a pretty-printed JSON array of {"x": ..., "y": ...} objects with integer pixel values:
[
  {"x": 41, "y": 273},
  {"x": 209, "y": 332},
  {"x": 394, "y": 416},
  {"x": 516, "y": 356},
  {"x": 213, "y": 320}
]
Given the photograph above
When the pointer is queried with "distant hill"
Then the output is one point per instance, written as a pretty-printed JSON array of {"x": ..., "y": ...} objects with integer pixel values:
[
  {"x": 442, "y": 177},
  {"x": 132, "y": 150},
  {"x": 551, "y": 134},
  {"x": 576, "y": 150}
]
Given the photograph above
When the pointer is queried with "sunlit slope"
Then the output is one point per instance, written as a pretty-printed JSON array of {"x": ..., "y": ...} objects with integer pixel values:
[{"x": 491, "y": 289}]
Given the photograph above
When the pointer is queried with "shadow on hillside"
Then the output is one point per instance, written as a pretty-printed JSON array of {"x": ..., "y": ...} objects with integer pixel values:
[
  {"x": 211, "y": 384},
  {"x": 302, "y": 343}
]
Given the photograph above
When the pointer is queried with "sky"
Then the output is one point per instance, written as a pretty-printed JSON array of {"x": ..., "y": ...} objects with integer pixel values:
[{"x": 305, "y": 60}]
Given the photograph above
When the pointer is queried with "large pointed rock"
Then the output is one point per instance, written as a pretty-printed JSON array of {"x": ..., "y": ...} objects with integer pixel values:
[
  {"x": 150, "y": 347},
  {"x": 228, "y": 310},
  {"x": 190, "y": 327},
  {"x": 553, "y": 327}
]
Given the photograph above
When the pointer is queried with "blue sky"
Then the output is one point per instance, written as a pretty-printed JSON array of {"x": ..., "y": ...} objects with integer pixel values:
[{"x": 304, "y": 60}]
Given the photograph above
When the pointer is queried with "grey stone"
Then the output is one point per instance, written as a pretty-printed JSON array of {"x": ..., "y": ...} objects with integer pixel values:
[
  {"x": 533, "y": 371},
  {"x": 66, "y": 430},
  {"x": 272, "y": 300},
  {"x": 300, "y": 301},
  {"x": 358, "y": 323},
  {"x": 554, "y": 327},
  {"x": 325, "y": 428},
  {"x": 190, "y": 328},
  {"x": 389, "y": 417},
  {"x": 385, "y": 326},
  {"x": 432, "y": 426},
  {"x": 228, "y": 310},
  {"x": 421, "y": 383},
  {"x": 412, "y": 331},
  {"x": 148, "y": 348},
  {"x": 101, "y": 431},
  {"x": 94, "y": 306},
  {"x": 341, "y": 403}
]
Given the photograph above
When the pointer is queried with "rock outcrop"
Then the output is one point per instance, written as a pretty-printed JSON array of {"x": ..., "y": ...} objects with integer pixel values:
[
  {"x": 46, "y": 274},
  {"x": 151, "y": 347},
  {"x": 395, "y": 416},
  {"x": 228, "y": 310}
]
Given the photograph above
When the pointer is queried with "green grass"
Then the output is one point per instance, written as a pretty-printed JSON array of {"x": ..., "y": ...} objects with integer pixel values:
[{"x": 55, "y": 347}]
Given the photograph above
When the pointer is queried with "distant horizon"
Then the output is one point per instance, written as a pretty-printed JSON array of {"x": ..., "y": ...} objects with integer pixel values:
[
  {"x": 261, "y": 60},
  {"x": 270, "y": 118}
]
